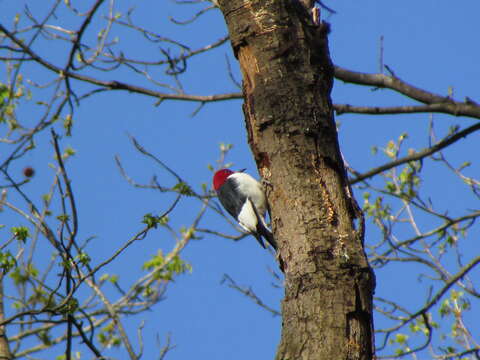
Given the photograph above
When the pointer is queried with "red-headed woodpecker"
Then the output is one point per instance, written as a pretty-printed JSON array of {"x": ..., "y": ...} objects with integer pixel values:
[{"x": 243, "y": 197}]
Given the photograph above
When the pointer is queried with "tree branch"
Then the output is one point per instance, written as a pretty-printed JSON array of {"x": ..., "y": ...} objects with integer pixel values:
[
  {"x": 113, "y": 84},
  {"x": 443, "y": 104},
  {"x": 443, "y": 108},
  {"x": 419, "y": 155}
]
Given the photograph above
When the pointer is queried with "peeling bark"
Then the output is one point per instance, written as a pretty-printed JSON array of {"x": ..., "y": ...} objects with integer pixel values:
[{"x": 287, "y": 80}]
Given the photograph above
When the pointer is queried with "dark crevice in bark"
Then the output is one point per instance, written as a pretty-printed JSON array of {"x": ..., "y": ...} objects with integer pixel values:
[{"x": 359, "y": 330}]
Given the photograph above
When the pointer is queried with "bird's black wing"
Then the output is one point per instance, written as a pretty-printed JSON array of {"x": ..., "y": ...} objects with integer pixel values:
[
  {"x": 230, "y": 198},
  {"x": 233, "y": 201}
]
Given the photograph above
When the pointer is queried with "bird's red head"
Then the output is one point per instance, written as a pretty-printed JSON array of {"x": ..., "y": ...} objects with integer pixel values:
[{"x": 220, "y": 176}]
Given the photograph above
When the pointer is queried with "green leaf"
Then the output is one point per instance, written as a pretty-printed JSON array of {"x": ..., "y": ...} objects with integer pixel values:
[
  {"x": 453, "y": 129},
  {"x": 464, "y": 165},
  {"x": 84, "y": 258},
  {"x": 390, "y": 186},
  {"x": 163, "y": 271},
  {"x": 4, "y": 94},
  {"x": 21, "y": 233},
  {"x": 153, "y": 221},
  {"x": 391, "y": 150},
  {"x": 401, "y": 338},
  {"x": 455, "y": 295},
  {"x": 150, "y": 221},
  {"x": 68, "y": 124},
  {"x": 70, "y": 307},
  {"x": 46, "y": 198},
  {"x": 69, "y": 151},
  {"x": 63, "y": 218},
  {"x": 183, "y": 188},
  {"x": 7, "y": 261},
  {"x": 445, "y": 308},
  {"x": 45, "y": 338},
  {"x": 22, "y": 275}
]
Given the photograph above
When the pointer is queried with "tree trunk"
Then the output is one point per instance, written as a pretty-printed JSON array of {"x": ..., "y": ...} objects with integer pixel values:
[{"x": 287, "y": 80}]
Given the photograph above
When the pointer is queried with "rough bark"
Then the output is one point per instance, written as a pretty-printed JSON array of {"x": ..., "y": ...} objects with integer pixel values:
[{"x": 287, "y": 79}]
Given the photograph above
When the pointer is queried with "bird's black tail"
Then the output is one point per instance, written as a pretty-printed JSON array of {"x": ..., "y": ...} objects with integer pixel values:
[
  {"x": 267, "y": 234},
  {"x": 259, "y": 239},
  {"x": 263, "y": 230}
]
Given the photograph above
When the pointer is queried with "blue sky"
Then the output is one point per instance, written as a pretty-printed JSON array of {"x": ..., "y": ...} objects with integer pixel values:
[{"x": 431, "y": 44}]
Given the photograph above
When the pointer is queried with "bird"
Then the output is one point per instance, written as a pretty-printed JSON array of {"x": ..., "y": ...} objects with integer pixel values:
[{"x": 244, "y": 199}]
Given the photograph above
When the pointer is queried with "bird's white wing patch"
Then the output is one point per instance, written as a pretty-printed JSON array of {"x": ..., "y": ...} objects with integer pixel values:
[
  {"x": 247, "y": 217},
  {"x": 253, "y": 189}
]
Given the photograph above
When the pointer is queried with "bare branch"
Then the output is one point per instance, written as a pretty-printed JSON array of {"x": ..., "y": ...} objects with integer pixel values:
[
  {"x": 248, "y": 292},
  {"x": 341, "y": 109},
  {"x": 117, "y": 85},
  {"x": 418, "y": 155},
  {"x": 444, "y": 103}
]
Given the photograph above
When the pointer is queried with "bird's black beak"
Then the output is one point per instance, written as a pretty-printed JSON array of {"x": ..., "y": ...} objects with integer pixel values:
[{"x": 242, "y": 170}]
